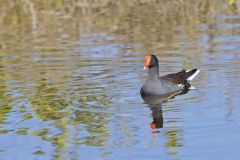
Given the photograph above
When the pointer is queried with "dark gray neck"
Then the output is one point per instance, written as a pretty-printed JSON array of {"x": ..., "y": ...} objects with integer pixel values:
[{"x": 153, "y": 72}]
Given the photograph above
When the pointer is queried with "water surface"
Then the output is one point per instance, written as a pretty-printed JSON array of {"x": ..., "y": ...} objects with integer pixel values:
[{"x": 70, "y": 79}]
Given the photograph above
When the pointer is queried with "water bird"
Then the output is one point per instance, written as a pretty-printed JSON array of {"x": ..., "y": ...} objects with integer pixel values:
[{"x": 171, "y": 84}]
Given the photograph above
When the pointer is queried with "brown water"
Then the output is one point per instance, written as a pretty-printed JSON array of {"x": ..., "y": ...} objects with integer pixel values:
[{"x": 71, "y": 74}]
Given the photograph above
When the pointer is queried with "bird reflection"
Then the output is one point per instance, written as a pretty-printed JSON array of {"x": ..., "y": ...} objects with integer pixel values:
[
  {"x": 155, "y": 104},
  {"x": 157, "y": 116}
]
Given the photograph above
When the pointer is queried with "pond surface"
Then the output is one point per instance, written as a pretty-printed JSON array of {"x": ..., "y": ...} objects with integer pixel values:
[{"x": 70, "y": 83}]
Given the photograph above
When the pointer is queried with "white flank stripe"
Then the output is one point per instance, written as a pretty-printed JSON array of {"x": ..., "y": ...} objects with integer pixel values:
[{"x": 180, "y": 85}]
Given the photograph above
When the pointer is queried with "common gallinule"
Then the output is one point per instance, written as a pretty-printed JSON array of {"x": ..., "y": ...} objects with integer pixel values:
[{"x": 168, "y": 84}]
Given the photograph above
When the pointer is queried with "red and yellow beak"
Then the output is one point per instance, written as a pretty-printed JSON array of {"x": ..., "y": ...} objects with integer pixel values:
[{"x": 147, "y": 61}]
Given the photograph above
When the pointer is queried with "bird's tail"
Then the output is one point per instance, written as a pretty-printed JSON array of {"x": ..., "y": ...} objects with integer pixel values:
[{"x": 191, "y": 74}]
